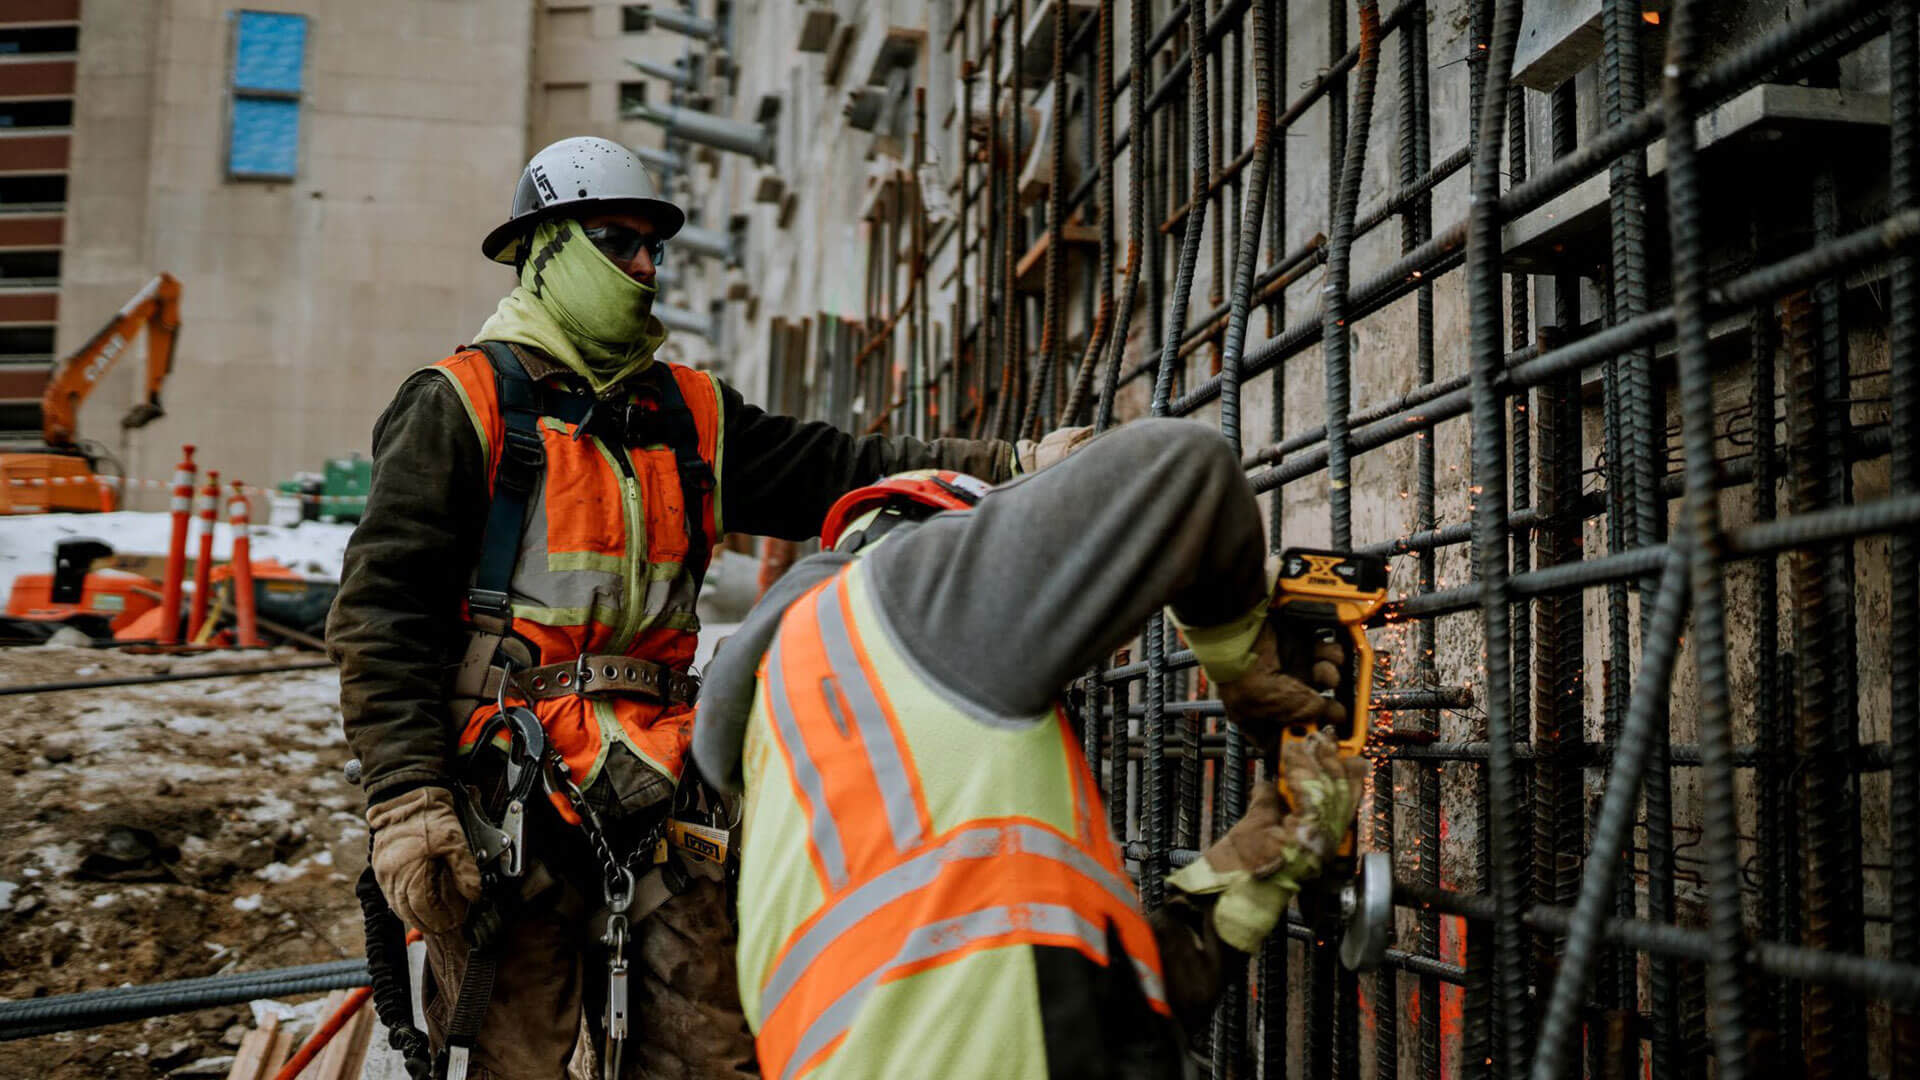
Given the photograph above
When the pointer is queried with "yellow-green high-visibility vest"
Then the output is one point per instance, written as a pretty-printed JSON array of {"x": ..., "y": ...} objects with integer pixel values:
[{"x": 903, "y": 851}]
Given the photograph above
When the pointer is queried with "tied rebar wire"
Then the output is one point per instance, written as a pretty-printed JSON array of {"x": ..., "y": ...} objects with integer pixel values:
[
  {"x": 1726, "y": 973},
  {"x": 1613, "y": 828},
  {"x": 1903, "y": 558}
]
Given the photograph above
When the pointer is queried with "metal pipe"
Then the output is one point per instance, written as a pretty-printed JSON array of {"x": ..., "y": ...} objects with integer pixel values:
[
  {"x": 665, "y": 162},
  {"x": 687, "y": 322},
  {"x": 679, "y": 22},
  {"x": 701, "y": 240},
  {"x": 673, "y": 74},
  {"x": 719, "y": 132}
]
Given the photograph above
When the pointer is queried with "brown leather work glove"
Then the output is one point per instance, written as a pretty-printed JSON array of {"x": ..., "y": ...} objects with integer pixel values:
[
  {"x": 1283, "y": 687},
  {"x": 1254, "y": 871},
  {"x": 1052, "y": 448},
  {"x": 421, "y": 859}
]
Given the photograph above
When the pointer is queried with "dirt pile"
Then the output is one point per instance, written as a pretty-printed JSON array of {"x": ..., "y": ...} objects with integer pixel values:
[{"x": 165, "y": 832}]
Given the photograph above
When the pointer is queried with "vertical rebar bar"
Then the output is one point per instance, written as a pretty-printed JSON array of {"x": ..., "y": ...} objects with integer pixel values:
[
  {"x": 1138, "y": 188},
  {"x": 1103, "y": 324},
  {"x": 1719, "y": 810},
  {"x": 1335, "y": 335},
  {"x": 1903, "y": 556},
  {"x": 1195, "y": 223},
  {"x": 1038, "y": 414},
  {"x": 1769, "y": 733},
  {"x": 1614, "y": 826},
  {"x": 1490, "y": 533}
]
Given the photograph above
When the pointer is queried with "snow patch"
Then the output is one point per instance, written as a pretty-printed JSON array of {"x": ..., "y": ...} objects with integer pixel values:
[
  {"x": 26, "y": 542},
  {"x": 247, "y": 903},
  {"x": 8, "y": 888},
  {"x": 189, "y": 725}
]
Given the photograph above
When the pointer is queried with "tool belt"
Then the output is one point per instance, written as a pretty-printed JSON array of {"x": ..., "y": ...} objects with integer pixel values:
[{"x": 597, "y": 675}]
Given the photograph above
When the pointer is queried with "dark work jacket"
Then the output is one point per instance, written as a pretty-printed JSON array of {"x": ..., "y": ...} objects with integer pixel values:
[{"x": 396, "y": 630}]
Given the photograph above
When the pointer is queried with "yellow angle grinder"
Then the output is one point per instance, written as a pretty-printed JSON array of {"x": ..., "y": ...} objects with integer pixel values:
[{"x": 1332, "y": 594}]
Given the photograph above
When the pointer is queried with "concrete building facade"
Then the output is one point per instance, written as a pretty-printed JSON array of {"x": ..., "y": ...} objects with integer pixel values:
[{"x": 325, "y": 224}]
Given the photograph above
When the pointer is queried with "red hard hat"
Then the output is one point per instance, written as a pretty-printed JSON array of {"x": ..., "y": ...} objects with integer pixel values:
[{"x": 936, "y": 489}]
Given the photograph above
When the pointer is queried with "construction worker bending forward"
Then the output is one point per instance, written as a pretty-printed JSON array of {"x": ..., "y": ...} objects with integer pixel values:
[
  {"x": 928, "y": 886},
  {"x": 514, "y": 627}
]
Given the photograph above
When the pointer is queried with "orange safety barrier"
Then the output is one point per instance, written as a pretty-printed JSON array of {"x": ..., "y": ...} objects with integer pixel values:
[
  {"x": 244, "y": 617},
  {"x": 182, "y": 506},
  {"x": 206, "y": 508}
]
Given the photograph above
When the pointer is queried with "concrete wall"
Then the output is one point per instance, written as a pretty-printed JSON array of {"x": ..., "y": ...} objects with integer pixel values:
[{"x": 305, "y": 303}]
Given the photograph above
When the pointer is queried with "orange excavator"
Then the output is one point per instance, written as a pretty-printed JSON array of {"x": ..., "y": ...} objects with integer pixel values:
[{"x": 61, "y": 472}]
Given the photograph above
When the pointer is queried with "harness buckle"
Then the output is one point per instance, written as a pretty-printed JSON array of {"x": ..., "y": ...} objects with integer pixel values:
[
  {"x": 489, "y": 602},
  {"x": 522, "y": 457}
]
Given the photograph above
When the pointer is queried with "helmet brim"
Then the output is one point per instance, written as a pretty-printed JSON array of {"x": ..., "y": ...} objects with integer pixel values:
[{"x": 502, "y": 245}]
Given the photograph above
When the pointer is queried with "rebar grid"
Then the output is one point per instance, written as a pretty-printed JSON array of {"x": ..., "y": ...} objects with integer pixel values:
[{"x": 1635, "y": 810}]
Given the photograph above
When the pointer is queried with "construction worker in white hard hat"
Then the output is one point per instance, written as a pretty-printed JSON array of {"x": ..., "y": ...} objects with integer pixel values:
[
  {"x": 928, "y": 884},
  {"x": 514, "y": 627}
]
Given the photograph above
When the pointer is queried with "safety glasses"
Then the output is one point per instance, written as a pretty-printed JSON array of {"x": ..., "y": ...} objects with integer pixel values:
[{"x": 621, "y": 244}]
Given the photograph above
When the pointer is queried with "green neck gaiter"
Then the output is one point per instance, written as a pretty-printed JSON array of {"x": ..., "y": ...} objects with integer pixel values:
[{"x": 573, "y": 304}]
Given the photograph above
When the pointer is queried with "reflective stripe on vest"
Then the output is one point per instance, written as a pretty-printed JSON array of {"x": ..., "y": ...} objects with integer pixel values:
[
  {"x": 601, "y": 565},
  {"x": 900, "y": 897}
]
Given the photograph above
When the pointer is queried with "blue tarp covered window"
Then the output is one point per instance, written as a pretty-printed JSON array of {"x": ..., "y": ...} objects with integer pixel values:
[{"x": 269, "y": 72}]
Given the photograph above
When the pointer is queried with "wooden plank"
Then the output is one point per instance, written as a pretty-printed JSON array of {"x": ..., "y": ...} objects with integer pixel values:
[
  {"x": 250, "y": 1062},
  {"x": 346, "y": 1056}
]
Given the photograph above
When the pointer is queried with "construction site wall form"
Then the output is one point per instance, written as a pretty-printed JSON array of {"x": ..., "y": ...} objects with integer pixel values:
[{"x": 1597, "y": 317}]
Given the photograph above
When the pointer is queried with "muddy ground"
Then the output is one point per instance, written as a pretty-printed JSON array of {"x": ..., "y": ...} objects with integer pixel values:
[{"x": 164, "y": 832}]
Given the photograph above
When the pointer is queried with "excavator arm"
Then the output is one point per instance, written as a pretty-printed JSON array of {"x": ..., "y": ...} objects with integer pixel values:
[{"x": 156, "y": 307}]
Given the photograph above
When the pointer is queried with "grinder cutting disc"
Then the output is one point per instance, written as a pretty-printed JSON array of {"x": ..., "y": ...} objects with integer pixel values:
[{"x": 1366, "y": 904}]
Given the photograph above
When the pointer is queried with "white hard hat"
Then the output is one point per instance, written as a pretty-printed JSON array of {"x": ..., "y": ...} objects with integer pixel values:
[{"x": 576, "y": 177}]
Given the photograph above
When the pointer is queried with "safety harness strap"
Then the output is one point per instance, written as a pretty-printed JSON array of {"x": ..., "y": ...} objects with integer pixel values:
[
  {"x": 696, "y": 476},
  {"x": 522, "y": 459},
  {"x": 470, "y": 1008}
]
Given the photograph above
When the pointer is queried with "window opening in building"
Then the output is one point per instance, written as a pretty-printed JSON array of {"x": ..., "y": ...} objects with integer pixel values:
[
  {"x": 633, "y": 95},
  {"x": 36, "y": 192},
  {"x": 21, "y": 266},
  {"x": 26, "y": 344},
  {"x": 20, "y": 40},
  {"x": 269, "y": 75},
  {"x": 36, "y": 114},
  {"x": 633, "y": 18}
]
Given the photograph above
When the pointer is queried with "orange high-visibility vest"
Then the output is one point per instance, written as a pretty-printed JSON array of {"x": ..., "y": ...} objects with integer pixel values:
[
  {"x": 1001, "y": 847},
  {"x": 602, "y": 568}
]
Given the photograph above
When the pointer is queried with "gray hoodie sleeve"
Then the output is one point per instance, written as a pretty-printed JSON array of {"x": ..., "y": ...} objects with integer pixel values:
[{"x": 1005, "y": 604}]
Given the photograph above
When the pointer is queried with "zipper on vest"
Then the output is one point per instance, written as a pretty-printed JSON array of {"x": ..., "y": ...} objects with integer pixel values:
[{"x": 636, "y": 578}]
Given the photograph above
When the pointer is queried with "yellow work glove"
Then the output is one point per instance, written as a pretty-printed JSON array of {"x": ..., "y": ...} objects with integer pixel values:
[
  {"x": 1052, "y": 449},
  {"x": 1255, "y": 870},
  {"x": 421, "y": 859}
]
